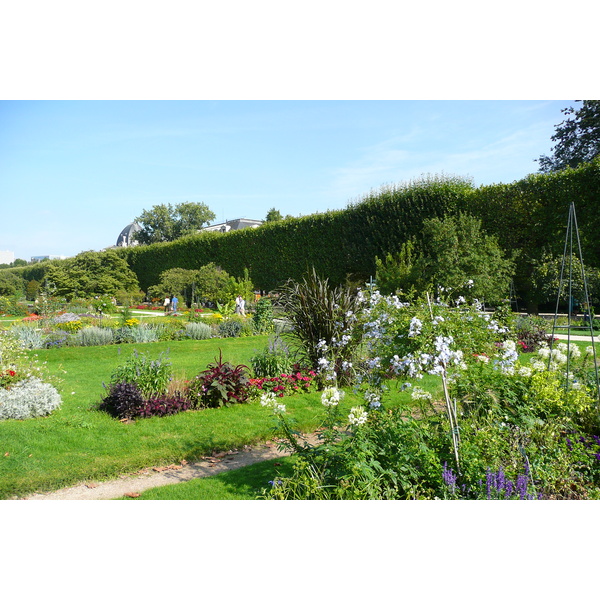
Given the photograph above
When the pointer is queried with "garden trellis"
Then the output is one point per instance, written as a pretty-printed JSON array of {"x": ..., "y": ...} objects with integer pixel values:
[{"x": 588, "y": 319}]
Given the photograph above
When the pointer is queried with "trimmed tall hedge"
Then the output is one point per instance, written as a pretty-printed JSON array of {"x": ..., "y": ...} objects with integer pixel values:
[
  {"x": 337, "y": 243},
  {"x": 526, "y": 216}
]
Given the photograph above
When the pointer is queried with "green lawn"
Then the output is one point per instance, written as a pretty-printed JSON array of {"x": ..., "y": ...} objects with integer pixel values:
[
  {"x": 79, "y": 443},
  {"x": 245, "y": 483}
]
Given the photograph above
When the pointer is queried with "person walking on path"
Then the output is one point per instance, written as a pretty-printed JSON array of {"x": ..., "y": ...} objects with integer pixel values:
[
  {"x": 167, "y": 304},
  {"x": 174, "y": 302},
  {"x": 240, "y": 306}
]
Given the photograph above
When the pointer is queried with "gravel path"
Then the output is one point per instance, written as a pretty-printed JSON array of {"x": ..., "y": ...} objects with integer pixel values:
[{"x": 133, "y": 485}]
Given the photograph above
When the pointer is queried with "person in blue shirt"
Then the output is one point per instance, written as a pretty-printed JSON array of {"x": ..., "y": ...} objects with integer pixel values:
[{"x": 174, "y": 302}]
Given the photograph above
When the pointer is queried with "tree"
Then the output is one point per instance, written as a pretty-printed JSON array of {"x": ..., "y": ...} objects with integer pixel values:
[
  {"x": 273, "y": 215},
  {"x": 182, "y": 282},
  {"x": 210, "y": 283},
  {"x": 165, "y": 223},
  {"x": 578, "y": 138},
  {"x": 454, "y": 254},
  {"x": 397, "y": 273},
  {"x": 546, "y": 279},
  {"x": 458, "y": 255},
  {"x": 90, "y": 274}
]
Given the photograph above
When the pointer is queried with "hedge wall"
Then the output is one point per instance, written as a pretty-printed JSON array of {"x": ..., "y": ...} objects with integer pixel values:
[
  {"x": 527, "y": 215},
  {"x": 336, "y": 243}
]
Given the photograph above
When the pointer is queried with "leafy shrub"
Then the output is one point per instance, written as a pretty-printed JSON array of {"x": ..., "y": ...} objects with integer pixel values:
[
  {"x": 391, "y": 456},
  {"x": 219, "y": 385},
  {"x": 57, "y": 339},
  {"x": 104, "y": 304},
  {"x": 230, "y": 328},
  {"x": 273, "y": 360},
  {"x": 162, "y": 406},
  {"x": 532, "y": 332},
  {"x": 124, "y": 401},
  {"x": 10, "y": 306},
  {"x": 299, "y": 380},
  {"x": 28, "y": 398},
  {"x": 143, "y": 334},
  {"x": 198, "y": 331},
  {"x": 152, "y": 377},
  {"x": 29, "y": 337},
  {"x": 263, "y": 316},
  {"x": 93, "y": 336},
  {"x": 64, "y": 318},
  {"x": 72, "y": 326}
]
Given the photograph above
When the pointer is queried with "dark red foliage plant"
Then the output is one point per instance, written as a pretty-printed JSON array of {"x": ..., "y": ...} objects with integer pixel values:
[{"x": 219, "y": 385}]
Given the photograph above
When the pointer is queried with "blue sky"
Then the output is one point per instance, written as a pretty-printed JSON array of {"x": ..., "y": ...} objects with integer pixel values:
[{"x": 74, "y": 173}]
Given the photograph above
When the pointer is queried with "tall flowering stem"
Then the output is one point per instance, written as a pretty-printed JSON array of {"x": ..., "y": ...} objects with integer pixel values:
[{"x": 450, "y": 406}]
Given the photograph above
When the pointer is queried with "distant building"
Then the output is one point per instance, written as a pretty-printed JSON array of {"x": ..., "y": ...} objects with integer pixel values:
[
  {"x": 35, "y": 259},
  {"x": 233, "y": 225},
  {"x": 6, "y": 257},
  {"x": 126, "y": 236}
]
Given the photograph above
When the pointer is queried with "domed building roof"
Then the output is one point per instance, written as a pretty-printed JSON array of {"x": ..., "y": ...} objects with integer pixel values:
[{"x": 126, "y": 236}]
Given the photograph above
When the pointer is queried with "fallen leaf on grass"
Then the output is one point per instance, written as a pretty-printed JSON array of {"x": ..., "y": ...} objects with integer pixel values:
[{"x": 132, "y": 495}]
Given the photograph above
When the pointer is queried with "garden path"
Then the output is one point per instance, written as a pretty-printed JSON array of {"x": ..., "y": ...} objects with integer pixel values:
[{"x": 132, "y": 485}]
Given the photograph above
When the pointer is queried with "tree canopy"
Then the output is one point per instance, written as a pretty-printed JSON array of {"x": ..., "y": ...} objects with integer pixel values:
[
  {"x": 165, "y": 223},
  {"x": 455, "y": 254},
  {"x": 92, "y": 273},
  {"x": 578, "y": 138},
  {"x": 273, "y": 215},
  {"x": 209, "y": 283}
]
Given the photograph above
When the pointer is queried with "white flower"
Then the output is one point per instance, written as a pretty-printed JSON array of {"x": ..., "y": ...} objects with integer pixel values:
[
  {"x": 358, "y": 416},
  {"x": 268, "y": 399},
  {"x": 331, "y": 396},
  {"x": 589, "y": 350},
  {"x": 537, "y": 365},
  {"x": 544, "y": 352},
  {"x": 524, "y": 372},
  {"x": 415, "y": 327},
  {"x": 420, "y": 394},
  {"x": 483, "y": 358}
]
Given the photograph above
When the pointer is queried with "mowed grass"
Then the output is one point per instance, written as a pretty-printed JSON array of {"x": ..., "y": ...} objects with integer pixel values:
[
  {"x": 245, "y": 483},
  {"x": 79, "y": 443}
]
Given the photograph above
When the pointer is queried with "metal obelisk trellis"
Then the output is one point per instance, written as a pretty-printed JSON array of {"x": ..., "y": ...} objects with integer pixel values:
[{"x": 572, "y": 229}]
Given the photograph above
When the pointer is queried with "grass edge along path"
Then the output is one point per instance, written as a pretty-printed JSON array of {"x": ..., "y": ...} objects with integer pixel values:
[{"x": 78, "y": 443}]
